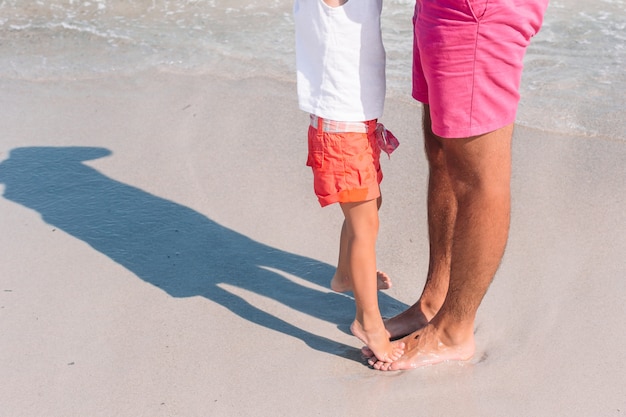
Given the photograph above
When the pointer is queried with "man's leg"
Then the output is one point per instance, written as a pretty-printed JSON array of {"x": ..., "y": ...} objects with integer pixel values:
[
  {"x": 479, "y": 169},
  {"x": 442, "y": 208}
]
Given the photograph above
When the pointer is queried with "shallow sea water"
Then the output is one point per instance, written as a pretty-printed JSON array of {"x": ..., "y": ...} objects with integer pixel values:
[{"x": 573, "y": 82}]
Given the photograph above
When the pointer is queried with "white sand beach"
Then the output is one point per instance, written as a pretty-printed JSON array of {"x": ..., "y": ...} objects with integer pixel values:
[{"x": 163, "y": 254}]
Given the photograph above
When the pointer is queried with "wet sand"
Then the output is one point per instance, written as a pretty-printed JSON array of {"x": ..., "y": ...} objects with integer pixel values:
[{"x": 163, "y": 255}]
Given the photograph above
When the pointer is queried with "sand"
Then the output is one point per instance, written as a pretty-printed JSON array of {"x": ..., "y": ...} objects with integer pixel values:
[{"x": 163, "y": 254}]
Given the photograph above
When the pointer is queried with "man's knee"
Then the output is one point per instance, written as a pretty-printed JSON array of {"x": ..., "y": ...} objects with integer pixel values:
[{"x": 480, "y": 164}]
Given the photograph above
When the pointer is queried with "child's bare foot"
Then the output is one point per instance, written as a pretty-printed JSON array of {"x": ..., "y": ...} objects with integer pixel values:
[
  {"x": 341, "y": 283},
  {"x": 378, "y": 343}
]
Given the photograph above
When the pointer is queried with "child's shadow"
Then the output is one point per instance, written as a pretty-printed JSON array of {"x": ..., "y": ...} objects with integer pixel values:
[{"x": 172, "y": 246}]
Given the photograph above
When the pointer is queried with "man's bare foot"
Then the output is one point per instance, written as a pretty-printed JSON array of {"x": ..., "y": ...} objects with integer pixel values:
[
  {"x": 427, "y": 347},
  {"x": 343, "y": 284},
  {"x": 409, "y": 321},
  {"x": 377, "y": 341}
]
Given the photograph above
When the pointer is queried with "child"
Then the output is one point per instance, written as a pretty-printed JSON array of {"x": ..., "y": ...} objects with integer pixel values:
[{"x": 341, "y": 82}]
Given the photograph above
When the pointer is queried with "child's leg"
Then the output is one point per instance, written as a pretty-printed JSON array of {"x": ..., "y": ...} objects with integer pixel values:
[
  {"x": 341, "y": 281},
  {"x": 361, "y": 229}
]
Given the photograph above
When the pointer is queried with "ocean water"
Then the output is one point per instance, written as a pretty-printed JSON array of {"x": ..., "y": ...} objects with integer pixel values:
[{"x": 574, "y": 80}]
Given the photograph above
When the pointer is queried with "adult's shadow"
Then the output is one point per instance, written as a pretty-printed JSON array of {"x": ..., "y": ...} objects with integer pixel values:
[{"x": 172, "y": 246}]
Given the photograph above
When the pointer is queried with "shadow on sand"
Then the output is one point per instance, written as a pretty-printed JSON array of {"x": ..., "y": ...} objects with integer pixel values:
[{"x": 172, "y": 246}]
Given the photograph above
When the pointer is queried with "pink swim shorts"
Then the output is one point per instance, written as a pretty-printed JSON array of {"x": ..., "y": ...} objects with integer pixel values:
[
  {"x": 346, "y": 165},
  {"x": 468, "y": 58}
]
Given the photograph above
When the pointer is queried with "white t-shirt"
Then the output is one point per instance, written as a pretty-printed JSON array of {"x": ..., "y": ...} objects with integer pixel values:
[{"x": 340, "y": 59}]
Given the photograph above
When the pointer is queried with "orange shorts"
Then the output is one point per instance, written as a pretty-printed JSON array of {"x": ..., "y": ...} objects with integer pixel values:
[{"x": 346, "y": 165}]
